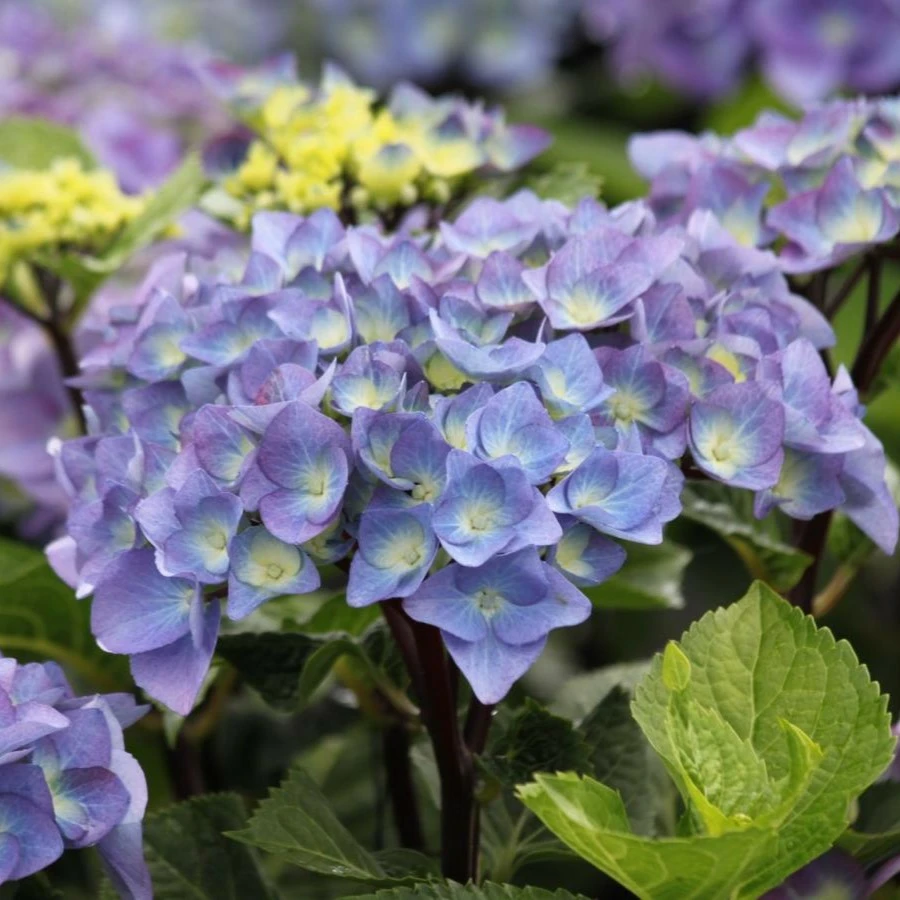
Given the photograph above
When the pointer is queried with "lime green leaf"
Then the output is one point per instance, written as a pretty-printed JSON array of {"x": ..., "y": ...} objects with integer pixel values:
[
  {"x": 741, "y": 110},
  {"x": 590, "y": 818},
  {"x": 534, "y": 740},
  {"x": 486, "y": 891},
  {"x": 624, "y": 760},
  {"x": 729, "y": 514},
  {"x": 178, "y": 194},
  {"x": 875, "y": 834},
  {"x": 40, "y": 619},
  {"x": 567, "y": 181},
  {"x": 189, "y": 857},
  {"x": 769, "y": 727},
  {"x": 298, "y": 826},
  {"x": 86, "y": 273},
  {"x": 27, "y": 143},
  {"x": 650, "y": 579}
]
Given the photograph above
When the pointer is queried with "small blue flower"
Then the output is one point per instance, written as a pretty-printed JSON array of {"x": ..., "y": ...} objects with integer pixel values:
[{"x": 495, "y": 617}]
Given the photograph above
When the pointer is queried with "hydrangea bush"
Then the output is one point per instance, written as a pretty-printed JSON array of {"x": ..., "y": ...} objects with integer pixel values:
[{"x": 406, "y": 424}]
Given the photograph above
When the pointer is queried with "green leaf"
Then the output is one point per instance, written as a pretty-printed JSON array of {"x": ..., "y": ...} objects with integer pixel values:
[
  {"x": 579, "y": 696},
  {"x": 298, "y": 826},
  {"x": 770, "y": 731},
  {"x": 189, "y": 857},
  {"x": 534, "y": 740},
  {"x": 650, "y": 579},
  {"x": 486, "y": 891},
  {"x": 27, "y": 143},
  {"x": 287, "y": 667},
  {"x": 590, "y": 818},
  {"x": 566, "y": 181},
  {"x": 40, "y": 619},
  {"x": 86, "y": 273},
  {"x": 875, "y": 834},
  {"x": 729, "y": 514},
  {"x": 624, "y": 760},
  {"x": 178, "y": 194}
]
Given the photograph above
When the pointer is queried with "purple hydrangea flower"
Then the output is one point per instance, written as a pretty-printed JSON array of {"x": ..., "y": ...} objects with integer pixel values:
[
  {"x": 404, "y": 410},
  {"x": 396, "y": 547},
  {"x": 489, "y": 508},
  {"x": 622, "y": 494},
  {"x": 66, "y": 780},
  {"x": 495, "y": 617},
  {"x": 736, "y": 434}
]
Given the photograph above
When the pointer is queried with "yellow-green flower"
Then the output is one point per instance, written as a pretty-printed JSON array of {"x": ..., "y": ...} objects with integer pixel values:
[
  {"x": 63, "y": 208},
  {"x": 337, "y": 147}
]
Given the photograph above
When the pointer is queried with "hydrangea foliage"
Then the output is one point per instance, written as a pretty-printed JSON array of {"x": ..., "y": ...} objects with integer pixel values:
[
  {"x": 469, "y": 420},
  {"x": 66, "y": 780}
]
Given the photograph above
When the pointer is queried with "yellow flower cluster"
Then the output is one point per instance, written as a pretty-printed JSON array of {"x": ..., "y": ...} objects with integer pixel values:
[
  {"x": 336, "y": 148},
  {"x": 61, "y": 208}
]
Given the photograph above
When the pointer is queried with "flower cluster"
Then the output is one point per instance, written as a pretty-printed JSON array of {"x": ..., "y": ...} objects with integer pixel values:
[
  {"x": 825, "y": 186},
  {"x": 333, "y": 147},
  {"x": 65, "y": 207},
  {"x": 470, "y": 420},
  {"x": 138, "y": 103},
  {"x": 807, "y": 49},
  {"x": 490, "y": 45},
  {"x": 33, "y": 408},
  {"x": 66, "y": 780}
]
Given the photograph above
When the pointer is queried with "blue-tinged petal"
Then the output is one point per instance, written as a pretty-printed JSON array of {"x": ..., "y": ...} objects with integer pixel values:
[
  {"x": 847, "y": 214},
  {"x": 735, "y": 435},
  {"x": 157, "y": 353},
  {"x": 586, "y": 557},
  {"x": 396, "y": 549},
  {"x": 452, "y": 413},
  {"x": 200, "y": 547},
  {"x": 9, "y": 855},
  {"x": 174, "y": 673},
  {"x": 26, "y": 817},
  {"x": 600, "y": 298},
  {"x": 486, "y": 226},
  {"x": 419, "y": 458},
  {"x": 85, "y": 743},
  {"x": 490, "y": 666},
  {"x": 25, "y": 722},
  {"x": 868, "y": 501},
  {"x": 87, "y": 804},
  {"x": 515, "y": 423},
  {"x": 136, "y": 608},
  {"x": 37, "y": 839},
  {"x": 263, "y": 567},
  {"x": 500, "y": 284},
  {"x": 519, "y": 623},
  {"x": 156, "y": 410},
  {"x": 491, "y": 362},
  {"x": 439, "y": 602},
  {"x": 123, "y": 858},
  {"x": 618, "y": 493},
  {"x": 221, "y": 444},
  {"x": 807, "y": 485},
  {"x": 569, "y": 377},
  {"x": 292, "y": 448}
]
